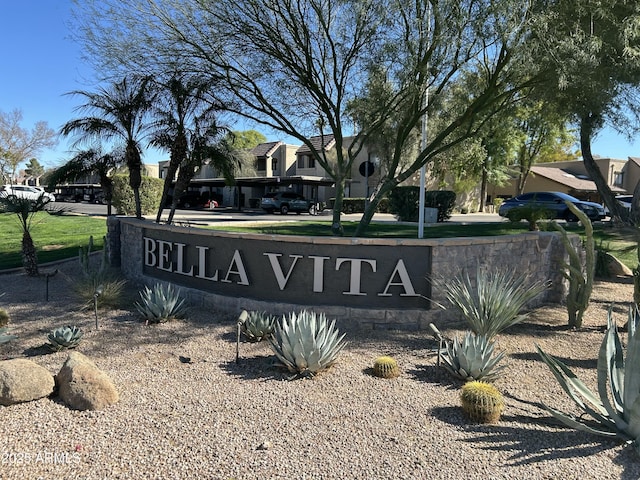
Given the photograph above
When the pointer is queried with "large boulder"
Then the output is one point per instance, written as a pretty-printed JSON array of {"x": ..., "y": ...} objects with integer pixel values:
[
  {"x": 23, "y": 380},
  {"x": 82, "y": 386}
]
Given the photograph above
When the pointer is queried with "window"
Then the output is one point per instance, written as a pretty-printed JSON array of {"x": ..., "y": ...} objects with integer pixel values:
[
  {"x": 274, "y": 164},
  {"x": 618, "y": 178},
  {"x": 261, "y": 164},
  {"x": 312, "y": 161},
  {"x": 301, "y": 161}
]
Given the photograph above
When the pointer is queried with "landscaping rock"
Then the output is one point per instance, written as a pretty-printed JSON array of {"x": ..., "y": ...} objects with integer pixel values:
[
  {"x": 617, "y": 268},
  {"x": 22, "y": 380},
  {"x": 82, "y": 386}
]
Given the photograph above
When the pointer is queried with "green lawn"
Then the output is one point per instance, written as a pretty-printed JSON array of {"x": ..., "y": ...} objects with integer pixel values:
[
  {"x": 617, "y": 244},
  {"x": 55, "y": 236}
]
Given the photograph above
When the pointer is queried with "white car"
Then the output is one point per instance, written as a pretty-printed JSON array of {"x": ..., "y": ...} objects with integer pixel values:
[{"x": 26, "y": 191}]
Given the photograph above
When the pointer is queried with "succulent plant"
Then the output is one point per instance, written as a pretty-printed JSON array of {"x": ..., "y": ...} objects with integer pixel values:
[
  {"x": 482, "y": 402},
  {"x": 258, "y": 326},
  {"x": 614, "y": 410},
  {"x": 64, "y": 337},
  {"x": 306, "y": 343},
  {"x": 4, "y": 336},
  {"x": 160, "y": 304},
  {"x": 4, "y": 317},
  {"x": 492, "y": 301},
  {"x": 385, "y": 367},
  {"x": 472, "y": 359}
]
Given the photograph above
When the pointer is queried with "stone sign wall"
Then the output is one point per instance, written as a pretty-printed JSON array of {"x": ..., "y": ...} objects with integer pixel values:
[{"x": 379, "y": 283}]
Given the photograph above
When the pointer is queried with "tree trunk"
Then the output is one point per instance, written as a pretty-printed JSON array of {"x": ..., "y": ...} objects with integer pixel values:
[
  {"x": 587, "y": 127},
  {"x": 29, "y": 255},
  {"x": 336, "y": 222},
  {"x": 483, "y": 188},
  {"x": 178, "y": 155}
]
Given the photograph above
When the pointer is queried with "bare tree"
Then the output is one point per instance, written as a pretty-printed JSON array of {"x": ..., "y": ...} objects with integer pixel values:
[
  {"x": 294, "y": 66},
  {"x": 17, "y": 144}
]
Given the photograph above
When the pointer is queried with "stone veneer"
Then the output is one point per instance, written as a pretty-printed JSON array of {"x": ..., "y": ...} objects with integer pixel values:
[{"x": 539, "y": 254}]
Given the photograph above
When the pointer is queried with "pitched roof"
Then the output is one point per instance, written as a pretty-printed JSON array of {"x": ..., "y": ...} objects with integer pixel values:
[
  {"x": 565, "y": 177},
  {"x": 319, "y": 142},
  {"x": 265, "y": 149}
]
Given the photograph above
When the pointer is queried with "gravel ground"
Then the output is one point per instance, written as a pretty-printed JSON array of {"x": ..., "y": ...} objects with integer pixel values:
[{"x": 212, "y": 418}]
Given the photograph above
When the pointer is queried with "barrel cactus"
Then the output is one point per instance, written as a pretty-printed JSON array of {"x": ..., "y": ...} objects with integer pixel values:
[
  {"x": 258, "y": 326},
  {"x": 472, "y": 359},
  {"x": 305, "y": 343},
  {"x": 4, "y": 317},
  {"x": 64, "y": 337},
  {"x": 385, "y": 367},
  {"x": 482, "y": 402}
]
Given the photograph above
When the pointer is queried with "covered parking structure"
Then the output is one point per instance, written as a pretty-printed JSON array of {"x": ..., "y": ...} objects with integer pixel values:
[{"x": 245, "y": 190}]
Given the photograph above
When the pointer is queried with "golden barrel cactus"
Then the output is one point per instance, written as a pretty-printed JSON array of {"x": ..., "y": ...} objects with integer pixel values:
[
  {"x": 482, "y": 402},
  {"x": 385, "y": 367}
]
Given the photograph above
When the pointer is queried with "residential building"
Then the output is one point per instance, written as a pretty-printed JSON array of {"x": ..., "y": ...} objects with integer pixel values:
[{"x": 571, "y": 177}]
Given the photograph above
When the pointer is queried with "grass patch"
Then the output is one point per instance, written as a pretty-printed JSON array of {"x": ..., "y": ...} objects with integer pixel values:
[
  {"x": 381, "y": 230},
  {"x": 619, "y": 244},
  {"x": 56, "y": 237}
]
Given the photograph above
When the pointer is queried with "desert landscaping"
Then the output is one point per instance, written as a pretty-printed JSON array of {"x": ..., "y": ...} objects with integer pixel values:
[{"x": 186, "y": 409}]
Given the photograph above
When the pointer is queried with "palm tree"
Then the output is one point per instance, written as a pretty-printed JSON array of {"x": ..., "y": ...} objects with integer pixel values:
[
  {"x": 88, "y": 162},
  {"x": 208, "y": 145},
  {"x": 26, "y": 209},
  {"x": 120, "y": 114},
  {"x": 186, "y": 126}
]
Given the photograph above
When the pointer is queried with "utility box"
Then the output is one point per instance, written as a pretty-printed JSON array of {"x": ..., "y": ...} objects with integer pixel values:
[{"x": 430, "y": 215}]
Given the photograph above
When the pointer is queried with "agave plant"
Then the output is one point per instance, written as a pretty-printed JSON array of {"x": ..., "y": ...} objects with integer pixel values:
[
  {"x": 493, "y": 302},
  {"x": 305, "y": 343},
  {"x": 258, "y": 326},
  {"x": 4, "y": 336},
  {"x": 64, "y": 337},
  {"x": 160, "y": 304},
  {"x": 615, "y": 410},
  {"x": 472, "y": 359}
]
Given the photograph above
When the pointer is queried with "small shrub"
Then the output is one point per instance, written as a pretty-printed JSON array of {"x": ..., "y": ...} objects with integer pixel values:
[
  {"x": 160, "y": 304},
  {"x": 64, "y": 337},
  {"x": 533, "y": 214},
  {"x": 404, "y": 203},
  {"x": 305, "y": 343},
  {"x": 385, "y": 367},
  {"x": 99, "y": 281},
  {"x": 482, "y": 402},
  {"x": 150, "y": 195}
]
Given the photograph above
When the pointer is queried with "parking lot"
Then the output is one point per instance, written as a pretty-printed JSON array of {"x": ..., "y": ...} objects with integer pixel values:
[{"x": 226, "y": 214}]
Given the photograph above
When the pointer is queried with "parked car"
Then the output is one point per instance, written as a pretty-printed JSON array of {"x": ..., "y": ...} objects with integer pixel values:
[
  {"x": 194, "y": 200},
  {"x": 26, "y": 191},
  {"x": 553, "y": 203},
  {"x": 285, "y": 202},
  {"x": 625, "y": 200}
]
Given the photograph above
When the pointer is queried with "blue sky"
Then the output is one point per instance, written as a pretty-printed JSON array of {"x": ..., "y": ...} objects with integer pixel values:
[{"x": 40, "y": 63}]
